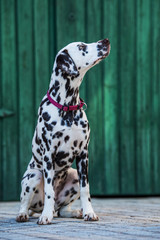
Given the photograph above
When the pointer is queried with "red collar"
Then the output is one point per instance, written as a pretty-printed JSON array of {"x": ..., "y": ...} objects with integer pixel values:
[{"x": 65, "y": 108}]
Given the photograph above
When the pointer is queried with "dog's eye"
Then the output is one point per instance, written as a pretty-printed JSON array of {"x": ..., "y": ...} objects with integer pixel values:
[{"x": 82, "y": 47}]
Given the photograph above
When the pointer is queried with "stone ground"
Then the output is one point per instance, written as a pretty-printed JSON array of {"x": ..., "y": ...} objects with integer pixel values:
[{"x": 128, "y": 218}]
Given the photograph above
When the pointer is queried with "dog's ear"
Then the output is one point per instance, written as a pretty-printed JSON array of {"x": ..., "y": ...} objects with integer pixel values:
[{"x": 66, "y": 64}]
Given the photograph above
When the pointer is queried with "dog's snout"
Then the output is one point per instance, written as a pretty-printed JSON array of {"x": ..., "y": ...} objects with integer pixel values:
[{"x": 105, "y": 42}]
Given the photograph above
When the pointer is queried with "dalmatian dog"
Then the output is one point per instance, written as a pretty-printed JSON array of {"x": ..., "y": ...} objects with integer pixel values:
[{"x": 62, "y": 134}]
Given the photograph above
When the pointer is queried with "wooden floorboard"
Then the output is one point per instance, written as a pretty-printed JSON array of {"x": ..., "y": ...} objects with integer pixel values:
[{"x": 126, "y": 218}]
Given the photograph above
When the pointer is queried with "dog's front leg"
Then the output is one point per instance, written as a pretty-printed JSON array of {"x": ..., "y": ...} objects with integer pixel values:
[
  {"x": 49, "y": 201},
  {"x": 82, "y": 168}
]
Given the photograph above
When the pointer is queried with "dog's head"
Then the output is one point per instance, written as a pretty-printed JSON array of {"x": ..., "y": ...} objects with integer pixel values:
[{"x": 77, "y": 58}]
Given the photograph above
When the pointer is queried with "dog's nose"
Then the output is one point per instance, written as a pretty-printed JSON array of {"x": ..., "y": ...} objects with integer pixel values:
[{"x": 105, "y": 42}]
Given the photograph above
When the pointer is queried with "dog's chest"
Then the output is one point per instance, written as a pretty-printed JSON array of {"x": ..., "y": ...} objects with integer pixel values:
[
  {"x": 70, "y": 139},
  {"x": 66, "y": 145},
  {"x": 64, "y": 138}
]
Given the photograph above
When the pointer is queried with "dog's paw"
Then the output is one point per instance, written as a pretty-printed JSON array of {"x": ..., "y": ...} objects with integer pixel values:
[
  {"x": 43, "y": 220},
  {"x": 91, "y": 217},
  {"x": 22, "y": 217}
]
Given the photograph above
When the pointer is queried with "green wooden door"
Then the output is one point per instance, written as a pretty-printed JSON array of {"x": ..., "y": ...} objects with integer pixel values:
[{"x": 122, "y": 93}]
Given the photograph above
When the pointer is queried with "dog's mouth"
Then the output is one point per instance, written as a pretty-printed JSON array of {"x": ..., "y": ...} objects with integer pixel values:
[{"x": 103, "y": 48}]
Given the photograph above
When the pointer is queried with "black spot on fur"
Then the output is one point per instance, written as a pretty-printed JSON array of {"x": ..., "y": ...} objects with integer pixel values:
[
  {"x": 66, "y": 193},
  {"x": 75, "y": 181},
  {"x": 46, "y": 159},
  {"x": 32, "y": 165},
  {"x": 67, "y": 85},
  {"x": 83, "y": 124},
  {"x": 46, "y": 116},
  {"x": 59, "y": 157},
  {"x": 75, "y": 153},
  {"x": 40, "y": 111},
  {"x": 76, "y": 123},
  {"x": 40, "y": 204},
  {"x": 84, "y": 168},
  {"x": 81, "y": 114},
  {"x": 39, "y": 152},
  {"x": 73, "y": 191},
  {"x": 83, "y": 181},
  {"x": 48, "y": 126},
  {"x": 75, "y": 143},
  {"x": 27, "y": 189},
  {"x": 54, "y": 123},
  {"x": 34, "y": 206},
  {"x": 36, "y": 159},
  {"x": 99, "y": 47},
  {"x": 37, "y": 140},
  {"x": 69, "y": 92},
  {"x": 49, "y": 165},
  {"x": 44, "y": 138},
  {"x": 80, "y": 145},
  {"x": 48, "y": 180},
  {"x": 28, "y": 176},
  {"x": 71, "y": 159},
  {"x": 83, "y": 155},
  {"x": 55, "y": 88},
  {"x": 66, "y": 138},
  {"x": 62, "y": 122},
  {"x": 45, "y": 173},
  {"x": 58, "y": 98},
  {"x": 100, "y": 53},
  {"x": 56, "y": 83},
  {"x": 82, "y": 47},
  {"x": 57, "y": 135},
  {"x": 48, "y": 102},
  {"x": 45, "y": 100}
]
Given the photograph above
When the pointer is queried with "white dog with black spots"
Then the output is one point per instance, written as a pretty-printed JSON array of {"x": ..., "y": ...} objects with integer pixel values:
[{"x": 62, "y": 135}]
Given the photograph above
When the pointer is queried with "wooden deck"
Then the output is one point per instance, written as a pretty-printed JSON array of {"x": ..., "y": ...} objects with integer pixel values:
[{"x": 119, "y": 219}]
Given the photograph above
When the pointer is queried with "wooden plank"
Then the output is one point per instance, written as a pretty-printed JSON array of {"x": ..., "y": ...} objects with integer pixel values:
[
  {"x": 9, "y": 94},
  {"x": 1, "y": 123},
  {"x": 70, "y": 22},
  {"x": 52, "y": 15},
  {"x": 155, "y": 76},
  {"x": 111, "y": 88},
  {"x": 127, "y": 95},
  {"x": 26, "y": 81},
  {"x": 70, "y": 26},
  {"x": 144, "y": 81},
  {"x": 42, "y": 71},
  {"x": 94, "y": 87}
]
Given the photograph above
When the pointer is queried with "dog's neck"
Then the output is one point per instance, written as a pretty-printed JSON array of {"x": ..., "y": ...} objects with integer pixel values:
[{"x": 65, "y": 91}]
